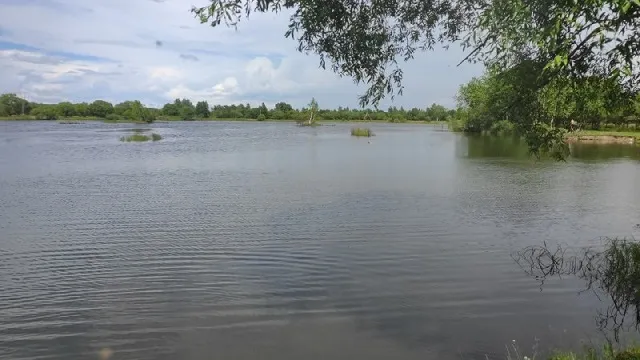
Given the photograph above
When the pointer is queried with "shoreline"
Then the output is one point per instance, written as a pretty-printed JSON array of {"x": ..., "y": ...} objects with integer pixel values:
[
  {"x": 79, "y": 120},
  {"x": 604, "y": 137}
]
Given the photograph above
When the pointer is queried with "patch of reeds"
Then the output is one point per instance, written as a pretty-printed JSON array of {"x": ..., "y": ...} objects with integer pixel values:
[
  {"x": 589, "y": 352},
  {"x": 366, "y": 132},
  {"x": 135, "y": 138},
  {"x": 138, "y": 137}
]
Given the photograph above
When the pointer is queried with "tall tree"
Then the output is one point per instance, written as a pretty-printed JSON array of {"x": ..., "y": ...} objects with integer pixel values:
[
  {"x": 262, "y": 109},
  {"x": 14, "y": 105},
  {"x": 100, "y": 108},
  {"x": 313, "y": 111},
  {"x": 202, "y": 109},
  {"x": 66, "y": 109},
  {"x": 284, "y": 107},
  {"x": 171, "y": 109},
  {"x": 187, "y": 110},
  {"x": 123, "y": 108},
  {"x": 140, "y": 112},
  {"x": 82, "y": 109},
  {"x": 437, "y": 112}
]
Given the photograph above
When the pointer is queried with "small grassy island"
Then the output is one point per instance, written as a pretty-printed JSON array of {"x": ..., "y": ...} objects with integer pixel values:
[
  {"x": 365, "y": 132},
  {"x": 141, "y": 137}
]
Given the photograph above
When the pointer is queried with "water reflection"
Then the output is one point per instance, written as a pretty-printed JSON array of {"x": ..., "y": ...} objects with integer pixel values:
[
  {"x": 604, "y": 151},
  {"x": 483, "y": 146},
  {"x": 611, "y": 272}
]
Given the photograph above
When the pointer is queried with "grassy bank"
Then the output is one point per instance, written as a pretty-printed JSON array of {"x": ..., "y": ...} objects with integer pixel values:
[
  {"x": 634, "y": 134},
  {"x": 589, "y": 352},
  {"x": 630, "y": 353},
  {"x": 604, "y": 137}
]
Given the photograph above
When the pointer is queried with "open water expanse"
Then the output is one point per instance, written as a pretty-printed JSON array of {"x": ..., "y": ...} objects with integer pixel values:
[{"x": 246, "y": 240}]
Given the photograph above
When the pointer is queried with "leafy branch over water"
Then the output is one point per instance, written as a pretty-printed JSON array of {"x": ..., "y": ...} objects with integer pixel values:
[{"x": 612, "y": 273}]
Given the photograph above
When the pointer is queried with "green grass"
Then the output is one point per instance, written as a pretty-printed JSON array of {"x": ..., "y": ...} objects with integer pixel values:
[
  {"x": 635, "y": 134},
  {"x": 137, "y": 137},
  {"x": 632, "y": 353},
  {"x": 607, "y": 352},
  {"x": 366, "y": 132}
]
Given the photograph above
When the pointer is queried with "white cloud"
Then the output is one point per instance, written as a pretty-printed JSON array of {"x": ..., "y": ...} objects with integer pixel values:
[
  {"x": 228, "y": 86},
  {"x": 164, "y": 73},
  {"x": 156, "y": 51}
]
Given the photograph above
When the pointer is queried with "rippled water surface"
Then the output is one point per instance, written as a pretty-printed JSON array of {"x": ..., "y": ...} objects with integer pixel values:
[{"x": 270, "y": 241}]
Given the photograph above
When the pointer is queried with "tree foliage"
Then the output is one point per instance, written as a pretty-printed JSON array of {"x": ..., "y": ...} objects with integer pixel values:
[
  {"x": 183, "y": 109},
  {"x": 100, "y": 108},
  {"x": 542, "y": 112},
  {"x": 202, "y": 109},
  {"x": 11, "y": 105},
  {"x": 365, "y": 39}
]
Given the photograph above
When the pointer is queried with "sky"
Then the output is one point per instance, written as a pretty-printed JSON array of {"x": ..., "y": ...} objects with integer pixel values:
[{"x": 155, "y": 51}]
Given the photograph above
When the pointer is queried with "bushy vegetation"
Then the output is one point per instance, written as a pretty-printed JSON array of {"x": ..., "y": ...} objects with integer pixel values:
[
  {"x": 502, "y": 127},
  {"x": 366, "y": 132},
  {"x": 135, "y": 138},
  {"x": 183, "y": 109},
  {"x": 516, "y": 100},
  {"x": 13, "y": 106},
  {"x": 138, "y": 137},
  {"x": 513, "y": 95},
  {"x": 591, "y": 354},
  {"x": 607, "y": 352}
]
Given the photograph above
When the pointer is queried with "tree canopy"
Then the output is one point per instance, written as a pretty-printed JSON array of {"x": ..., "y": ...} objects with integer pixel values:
[
  {"x": 183, "y": 109},
  {"x": 365, "y": 39}
]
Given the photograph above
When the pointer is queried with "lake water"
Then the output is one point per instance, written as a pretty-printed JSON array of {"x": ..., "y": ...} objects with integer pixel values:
[{"x": 271, "y": 241}]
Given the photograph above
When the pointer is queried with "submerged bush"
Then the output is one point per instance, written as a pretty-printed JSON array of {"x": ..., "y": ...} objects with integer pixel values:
[
  {"x": 361, "y": 132},
  {"x": 502, "y": 127},
  {"x": 135, "y": 137},
  {"x": 140, "y": 137},
  {"x": 456, "y": 124}
]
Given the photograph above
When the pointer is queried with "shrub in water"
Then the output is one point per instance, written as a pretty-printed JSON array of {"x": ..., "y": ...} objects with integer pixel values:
[
  {"x": 361, "y": 132},
  {"x": 135, "y": 138}
]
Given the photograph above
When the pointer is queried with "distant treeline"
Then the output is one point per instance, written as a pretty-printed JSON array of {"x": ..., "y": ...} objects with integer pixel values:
[{"x": 183, "y": 109}]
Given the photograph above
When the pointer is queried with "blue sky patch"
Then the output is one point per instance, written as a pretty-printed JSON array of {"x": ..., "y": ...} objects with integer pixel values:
[
  {"x": 7, "y": 45},
  {"x": 238, "y": 54}
]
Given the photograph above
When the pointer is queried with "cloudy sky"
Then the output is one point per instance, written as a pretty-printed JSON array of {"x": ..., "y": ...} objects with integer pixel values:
[{"x": 82, "y": 50}]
